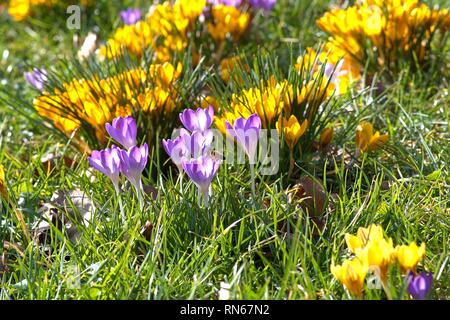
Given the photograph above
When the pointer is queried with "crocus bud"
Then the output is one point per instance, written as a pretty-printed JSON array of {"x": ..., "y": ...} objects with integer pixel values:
[
  {"x": 325, "y": 137},
  {"x": 419, "y": 285},
  {"x": 292, "y": 130},
  {"x": 2, "y": 182},
  {"x": 197, "y": 143}
]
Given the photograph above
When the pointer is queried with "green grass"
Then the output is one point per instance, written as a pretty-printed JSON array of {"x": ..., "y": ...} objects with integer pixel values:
[{"x": 239, "y": 240}]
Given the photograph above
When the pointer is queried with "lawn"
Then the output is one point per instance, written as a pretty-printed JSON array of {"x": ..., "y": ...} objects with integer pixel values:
[{"x": 66, "y": 232}]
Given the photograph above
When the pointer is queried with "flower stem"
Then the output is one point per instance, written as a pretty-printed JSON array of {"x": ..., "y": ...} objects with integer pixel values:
[
  {"x": 386, "y": 288},
  {"x": 252, "y": 173},
  {"x": 291, "y": 163},
  {"x": 180, "y": 178},
  {"x": 140, "y": 197},
  {"x": 206, "y": 200},
  {"x": 119, "y": 198}
]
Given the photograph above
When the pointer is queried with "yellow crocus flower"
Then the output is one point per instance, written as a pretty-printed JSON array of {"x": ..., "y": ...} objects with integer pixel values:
[
  {"x": 291, "y": 129},
  {"x": 191, "y": 9},
  {"x": 325, "y": 137},
  {"x": 366, "y": 140},
  {"x": 207, "y": 101},
  {"x": 228, "y": 20},
  {"x": 363, "y": 236},
  {"x": 19, "y": 9},
  {"x": 380, "y": 255},
  {"x": 409, "y": 256},
  {"x": 352, "y": 274}
]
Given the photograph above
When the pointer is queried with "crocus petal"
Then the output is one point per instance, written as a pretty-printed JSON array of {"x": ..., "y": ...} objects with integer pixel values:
[
  {"x": 189, "y": 119},
  {"x": 134, "y": 162}
]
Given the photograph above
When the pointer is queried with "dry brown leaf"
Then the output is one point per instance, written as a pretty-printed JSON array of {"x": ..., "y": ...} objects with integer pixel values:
[
  {"x": 65, "y": 210},
  {"x": 310, "y": 195}
]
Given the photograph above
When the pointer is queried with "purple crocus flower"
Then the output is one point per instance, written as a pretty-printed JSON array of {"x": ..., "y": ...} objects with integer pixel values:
[
  {"x": 233, "y": 3},
  {"x": 133, "y": 163},
  {"x": 246, "y": 132},
  {"x": 130, "y": 16},
  {"x": 199, "y": 120},
  {"x": 202, "y": 171},
  {"x": 197, "y": 143},
  {"x": 419, "y": 285},
  {"x": 188, "y": 145},
  {"x": 177, "y": 150},
  {"x": 108, "y": 162},
  {"x": 37, "y": 78},
  {"x": 262, "y": 4},
  {"x": 123, "y": 130}
]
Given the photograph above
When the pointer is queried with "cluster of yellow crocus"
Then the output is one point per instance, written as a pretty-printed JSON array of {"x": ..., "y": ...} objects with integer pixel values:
[
  {"x": 340, "y": 69},
  {"x": 391, "y": 27},
  {"x": 165, "y": 29},
  {"x": 372, "y": 251},
  {"x": 366, "y": 140},
  {"x": 268, "y": 102},
  {"x": 20, "y": 9},
  {"x": 277, "y": 103},
  {"x": 97, "y": 101},
  {"x": 228, "y": 21}
]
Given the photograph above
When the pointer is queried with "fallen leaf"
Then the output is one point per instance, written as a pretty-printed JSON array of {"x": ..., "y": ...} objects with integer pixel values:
[
  {"x": 65, "y": 211},
  {"x": 151, "y": 191},
  {"x": 309, "y": 195}
]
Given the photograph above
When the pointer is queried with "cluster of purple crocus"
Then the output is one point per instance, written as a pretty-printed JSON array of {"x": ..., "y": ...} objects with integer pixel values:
[
  {"x": 190, "y": 151},
  {"x": 257, "y": 4},
  {"x": 130, "y": 161}
]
